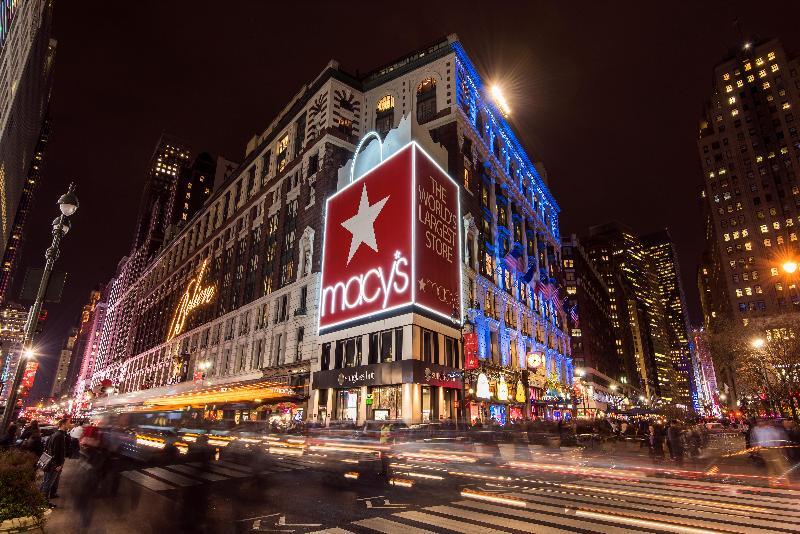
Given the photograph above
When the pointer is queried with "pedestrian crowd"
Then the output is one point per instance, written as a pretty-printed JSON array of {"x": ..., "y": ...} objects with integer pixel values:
[{"x": 52, "y": 450}]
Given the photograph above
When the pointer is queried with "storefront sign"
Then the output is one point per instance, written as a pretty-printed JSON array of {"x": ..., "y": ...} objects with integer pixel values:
[
  {"x": 482, "y": 388},
  {"x": 195, "y": 295},
  {"x": 471, "y": 350},
  {"x": 352, "y": 377},
  {"x": 391, "y": 241},
  {"x": 391, "y": 373}
]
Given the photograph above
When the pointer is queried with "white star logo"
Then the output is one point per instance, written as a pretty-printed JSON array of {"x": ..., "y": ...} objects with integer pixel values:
[{"x": 361, "y": 225}]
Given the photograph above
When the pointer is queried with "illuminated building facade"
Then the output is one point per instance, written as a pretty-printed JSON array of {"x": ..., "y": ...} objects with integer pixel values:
[
  {"x": 602, "y": 357},
  {"x": 622, "y": 259},
  {"x": 664, "y": 258},
  {"x": 192, "y": 188},
  {"x": 260, "y": 236},
  {"x": 27, "y": 55},
  {"x": 16, "y": 240},
  {"x": 84, "y": 332},
  {"x": 12, "y": 332},
  {"x": 749, "y": 150},
  {"x": 169, "y": 160}
]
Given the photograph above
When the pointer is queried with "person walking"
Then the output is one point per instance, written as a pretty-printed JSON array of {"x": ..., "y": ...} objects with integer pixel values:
[{"x": 56, "y": 447}]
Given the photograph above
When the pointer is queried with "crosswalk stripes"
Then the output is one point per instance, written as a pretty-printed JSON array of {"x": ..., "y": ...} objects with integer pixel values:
[
  {"x": 146, "y": 481},
  {"x": 646, "y": 505},
  {"x": 176, "y": 476}
]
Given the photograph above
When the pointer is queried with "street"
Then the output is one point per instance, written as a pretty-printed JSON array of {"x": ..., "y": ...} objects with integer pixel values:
[{"x": 525, "y": 489}]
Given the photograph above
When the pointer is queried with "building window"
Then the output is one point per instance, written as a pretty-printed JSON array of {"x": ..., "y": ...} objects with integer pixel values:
[
  {"x": 426, "y": 100},
  {"x": 384, "y": 115},
  {"x": 282, "y": 153},
  {"x": 345, "y": 126},
  {"x": 301, "y": 332}
]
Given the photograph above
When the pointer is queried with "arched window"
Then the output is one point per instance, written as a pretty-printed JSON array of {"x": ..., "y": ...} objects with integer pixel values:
[
  {"x": 384, "y": 115},
  {"x": 426, "y": 100}
]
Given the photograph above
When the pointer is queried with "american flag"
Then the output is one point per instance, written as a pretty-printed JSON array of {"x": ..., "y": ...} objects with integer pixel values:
[
  {"x": 548, "y": 291},
  {"x": 513, "y": 259},
  {"x": 527, "y": 278},
  {"x": 573, "y": 315}
]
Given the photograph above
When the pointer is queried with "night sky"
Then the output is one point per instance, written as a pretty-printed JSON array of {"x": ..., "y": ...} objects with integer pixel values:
[{"x": 606, "y": 94}]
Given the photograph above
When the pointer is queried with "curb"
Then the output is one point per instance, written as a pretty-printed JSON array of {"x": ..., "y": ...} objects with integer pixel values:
[{"x": 21, "y": 524}]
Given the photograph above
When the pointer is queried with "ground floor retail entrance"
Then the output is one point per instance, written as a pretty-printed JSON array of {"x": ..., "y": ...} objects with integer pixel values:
[{"x": 409, "y": 390}]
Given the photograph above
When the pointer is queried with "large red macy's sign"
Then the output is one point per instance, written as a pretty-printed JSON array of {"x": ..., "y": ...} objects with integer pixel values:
[{"x": 392, "y": 243}]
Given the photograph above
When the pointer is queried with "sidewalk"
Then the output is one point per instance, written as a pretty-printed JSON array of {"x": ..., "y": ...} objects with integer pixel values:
[{"x": 100, "y": 512}]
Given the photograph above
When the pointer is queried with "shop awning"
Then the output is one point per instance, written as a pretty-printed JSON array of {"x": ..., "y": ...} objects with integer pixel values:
[{"x": 259, "y": 391}]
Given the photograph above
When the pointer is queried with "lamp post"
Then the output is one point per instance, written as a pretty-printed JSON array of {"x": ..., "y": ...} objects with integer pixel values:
[{"x": 68, "y": 204}]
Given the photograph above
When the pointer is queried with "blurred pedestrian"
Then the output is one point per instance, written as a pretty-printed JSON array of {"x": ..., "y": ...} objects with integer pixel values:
[
  {"x": 655, "y": 441},
  {"x": 75, "y": 434},
  {"x": 694, "y": 442},
  {"x": 10, "y": 436},
  {"x": 771, "y": 440},
  {"x": 675, "y": 440},
  {"x": 56, "y": 447},
  {"x": 31, "y": 439}
]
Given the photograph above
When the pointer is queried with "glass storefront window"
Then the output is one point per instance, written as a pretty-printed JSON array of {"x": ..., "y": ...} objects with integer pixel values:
[
  {"x": 347, "y": 404},
  {"x": 387, "y": 401}
]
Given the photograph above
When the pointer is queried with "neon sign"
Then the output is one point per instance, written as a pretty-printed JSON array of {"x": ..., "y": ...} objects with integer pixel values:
[
  {"x": 392, "y": 242},
  {"x": 194, "y": 296}
]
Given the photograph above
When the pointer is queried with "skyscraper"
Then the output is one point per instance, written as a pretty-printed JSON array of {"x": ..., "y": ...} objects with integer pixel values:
[
  {"x": 60, "y": 385},
  {"x": 593, "y": 318},
  {"x": 192, "y": 188},
  {"x": 26, "y": 62},
  {"x": 661, "y": 251},
  {"x": 84, "y": 327},
  {"x": 12, "y": 327},
  {"x": 749, "y": 149},
  {"x": 170, "y": 159},
  {"x": 9, "y": 266},
  {"x": 618, "y": 252}
]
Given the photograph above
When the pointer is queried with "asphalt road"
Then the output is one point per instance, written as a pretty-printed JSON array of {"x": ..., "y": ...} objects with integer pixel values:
[{"x": 522, "y": 491}]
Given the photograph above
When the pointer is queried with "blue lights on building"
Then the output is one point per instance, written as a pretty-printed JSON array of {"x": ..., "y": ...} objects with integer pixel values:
[
  {"x": 539, "y": 213},
  {"x": 7, "y": 8}
]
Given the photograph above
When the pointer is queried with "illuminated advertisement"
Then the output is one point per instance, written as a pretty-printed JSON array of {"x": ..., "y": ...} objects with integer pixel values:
[
  {"x": 391, "y": 242},
  {"x": 470, "y": 350},
  {"x": 195, "y": 295},
  {"x": 29, "y": 375}
]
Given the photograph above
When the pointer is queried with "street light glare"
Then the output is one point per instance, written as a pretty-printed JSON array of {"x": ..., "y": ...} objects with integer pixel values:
[
  {"x": 790, "y": 266},
  {"x": 500, "y": 100},
  {"x": 757, "y": 343},
  {"x": 29, "y": 353}
]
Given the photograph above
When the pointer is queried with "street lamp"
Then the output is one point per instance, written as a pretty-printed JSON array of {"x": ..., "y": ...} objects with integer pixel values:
[
  {"x": 68, "y": 205},
  {"x": 757, "y": 343},
  {"x": 790, "y": 266}
]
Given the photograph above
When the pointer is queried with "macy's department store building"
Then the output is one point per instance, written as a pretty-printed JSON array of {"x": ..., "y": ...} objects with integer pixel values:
[{"x": 390, "y": 298}]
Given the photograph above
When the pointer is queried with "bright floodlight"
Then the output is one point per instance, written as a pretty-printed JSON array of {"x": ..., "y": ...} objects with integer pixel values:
[
  {"x": 790, "y": 266},
  {"x": 29, "y": 353},
  {"x": 500, "y": 100},
  {"x": 757, "y": 343}
]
